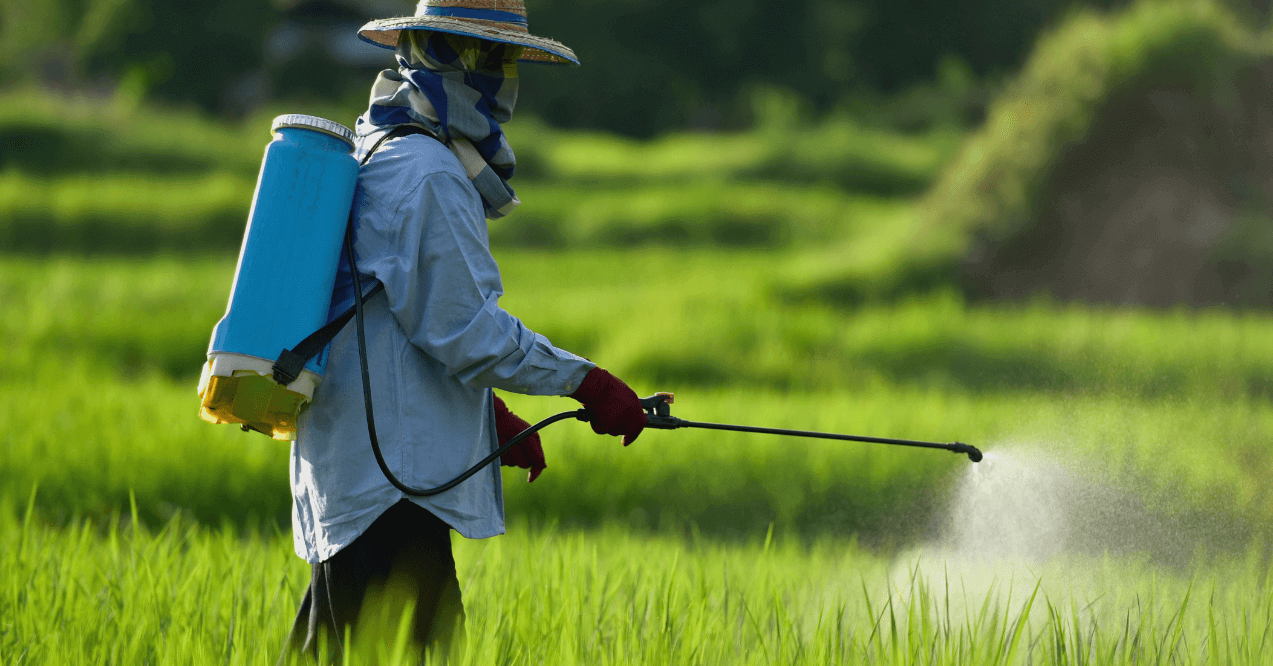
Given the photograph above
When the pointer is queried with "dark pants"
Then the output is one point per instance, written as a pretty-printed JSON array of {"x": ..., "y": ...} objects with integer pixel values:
[{"x": 405, "y": 556}]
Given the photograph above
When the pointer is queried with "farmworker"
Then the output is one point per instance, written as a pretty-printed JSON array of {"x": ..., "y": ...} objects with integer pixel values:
[{"x": 437, "y": 340}]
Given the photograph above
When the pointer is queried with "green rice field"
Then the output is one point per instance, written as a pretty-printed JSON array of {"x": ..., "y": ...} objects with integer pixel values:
[
  {"x": 156, "y": 538},
  {"x": 1122, "y": 514}
]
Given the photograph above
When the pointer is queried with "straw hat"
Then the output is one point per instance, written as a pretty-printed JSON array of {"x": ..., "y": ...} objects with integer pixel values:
[{"x": 493, "y": 20}]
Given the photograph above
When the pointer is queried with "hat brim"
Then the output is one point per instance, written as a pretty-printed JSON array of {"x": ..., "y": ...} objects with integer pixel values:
[{"x": 384, "y": 33}]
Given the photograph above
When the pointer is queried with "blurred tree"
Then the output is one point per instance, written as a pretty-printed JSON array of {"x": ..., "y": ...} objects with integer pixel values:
[
  {"x": 649, "y": 65},
  {"x": 52, "y": 40},
  {"x": 178, "y": 50},
  {"x": 194, "y": 52},
  {"x": 653, "y": 64}
]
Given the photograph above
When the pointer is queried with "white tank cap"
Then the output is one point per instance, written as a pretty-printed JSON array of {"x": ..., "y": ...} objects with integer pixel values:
[{"x": 314, "y": 123}]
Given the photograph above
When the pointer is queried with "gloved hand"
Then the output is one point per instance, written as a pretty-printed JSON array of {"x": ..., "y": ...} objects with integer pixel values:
[
  {"x": 615, "y": 408},
  {"x": 526, "y": 454}
]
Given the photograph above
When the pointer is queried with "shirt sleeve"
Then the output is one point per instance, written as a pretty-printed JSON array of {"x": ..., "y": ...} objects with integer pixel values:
[{"x": 433, "y": 255}]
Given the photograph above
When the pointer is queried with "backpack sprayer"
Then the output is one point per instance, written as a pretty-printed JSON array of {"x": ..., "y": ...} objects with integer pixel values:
[
  {"x": 282, "y": 294},
  {"x": 284, "y": 280}
]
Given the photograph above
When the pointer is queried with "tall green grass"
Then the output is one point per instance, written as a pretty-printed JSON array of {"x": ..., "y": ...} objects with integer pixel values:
[{"x": 184, "y": 594}]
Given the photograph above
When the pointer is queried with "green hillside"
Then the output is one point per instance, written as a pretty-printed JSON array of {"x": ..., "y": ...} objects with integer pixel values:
[{"x": 996, "y": 193}]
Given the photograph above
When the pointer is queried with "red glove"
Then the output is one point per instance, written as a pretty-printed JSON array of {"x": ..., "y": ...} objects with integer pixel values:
[
  {"x": 527, "y": 453},
  {"x": 615, "y": 408}
]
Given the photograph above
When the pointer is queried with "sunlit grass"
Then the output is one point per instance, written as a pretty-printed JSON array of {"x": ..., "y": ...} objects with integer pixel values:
[
  {"x": 816, "y": 152},
  {"x": 123, "y": 214},
  {"x": 87, "y": 180},
  {"x": 98, "y": 396},
  {"x": 185, "y": 594}
]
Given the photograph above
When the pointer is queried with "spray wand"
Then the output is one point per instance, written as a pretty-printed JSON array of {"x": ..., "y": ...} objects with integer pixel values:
[{"x": 659, "y": 415}]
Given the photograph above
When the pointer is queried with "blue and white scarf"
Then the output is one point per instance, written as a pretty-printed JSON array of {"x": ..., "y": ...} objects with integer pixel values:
[{"x": 459, "y": 90}]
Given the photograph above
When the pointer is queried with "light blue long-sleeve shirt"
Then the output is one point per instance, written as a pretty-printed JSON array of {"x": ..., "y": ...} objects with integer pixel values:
[{"x": 437, "y": 342}]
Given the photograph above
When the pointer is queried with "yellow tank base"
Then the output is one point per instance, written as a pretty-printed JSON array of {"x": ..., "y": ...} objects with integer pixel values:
[{"x": 253, "y": 400}]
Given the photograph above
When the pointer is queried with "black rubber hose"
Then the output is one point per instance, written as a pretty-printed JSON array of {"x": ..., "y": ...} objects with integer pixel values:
[{"x": 580, "y": 414}]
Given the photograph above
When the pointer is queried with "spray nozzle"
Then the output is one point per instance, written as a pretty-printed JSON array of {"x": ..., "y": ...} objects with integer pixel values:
[{"x": 973, "y": 453}]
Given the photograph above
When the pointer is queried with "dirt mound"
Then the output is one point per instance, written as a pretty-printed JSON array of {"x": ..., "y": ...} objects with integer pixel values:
[{"x": 1168, "y": 200}]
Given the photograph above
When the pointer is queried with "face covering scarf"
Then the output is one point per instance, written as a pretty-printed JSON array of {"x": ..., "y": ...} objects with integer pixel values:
[{"x": 459, "y": 90}]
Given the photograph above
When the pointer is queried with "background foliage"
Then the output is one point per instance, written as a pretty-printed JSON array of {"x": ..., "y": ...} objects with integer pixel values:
[
  {"x": 807, "y": 268},
  {"x": 650, "y": 65}
]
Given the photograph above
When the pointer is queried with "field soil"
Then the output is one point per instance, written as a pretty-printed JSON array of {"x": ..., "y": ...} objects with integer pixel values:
[{"x": 1166, "y": 202}]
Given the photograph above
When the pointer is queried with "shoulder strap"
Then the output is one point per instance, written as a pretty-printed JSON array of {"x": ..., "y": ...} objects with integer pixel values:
[
  {"x": 400, "y": 130},
  {"x": 290, "y": 363}
]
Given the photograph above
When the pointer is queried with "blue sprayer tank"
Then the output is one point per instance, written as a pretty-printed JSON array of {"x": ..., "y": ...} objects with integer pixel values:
[{"x": 283, "y": 283}]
